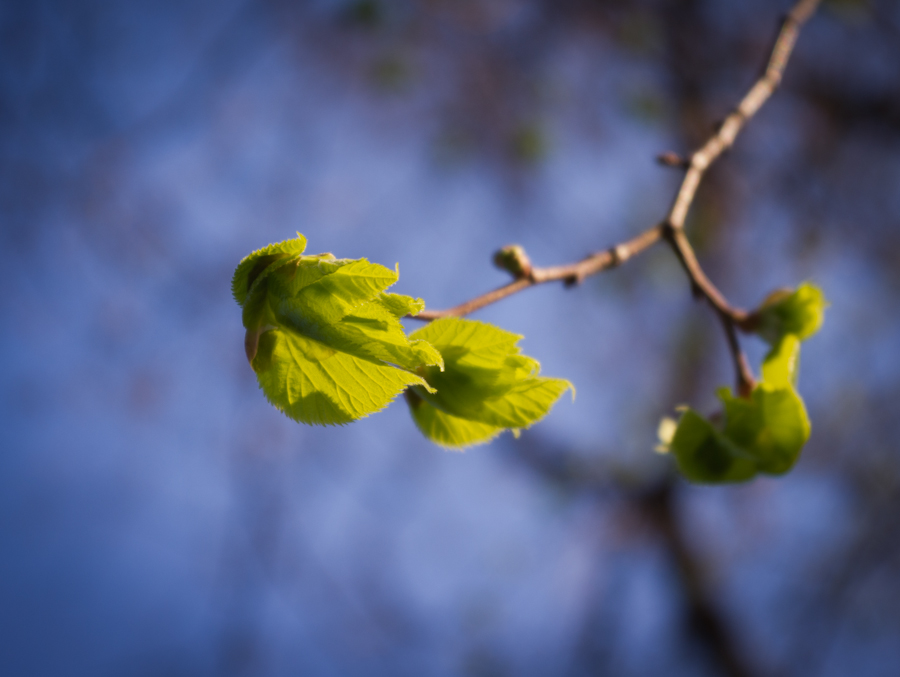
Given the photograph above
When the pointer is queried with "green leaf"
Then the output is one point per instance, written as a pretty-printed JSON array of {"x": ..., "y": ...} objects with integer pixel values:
[
  {"x": 371, "y": 332},
  {"x": 446, "y": 430},
  {"x": 322, "y": 335},
  {"x": 251, "y": 266},
  {"x": 313, "y": 383},
  {"x": 771, "y": 426},
  {"x": 705, "y": 455},
  {"x": 782, "y": 364},
  {"x": 760, "y": 434},
  {"x": 344, "y": 287},
  {"x": 785, "y": 312},
  {"x": 763, "y": 433},
  {"x": 767, "y": 430},
  {"x": 485, "y": 385}
]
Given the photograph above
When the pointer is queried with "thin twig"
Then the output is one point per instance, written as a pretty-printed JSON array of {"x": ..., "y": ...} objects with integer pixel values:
[
  {"x": 572, "y": 273},
  {"x": 759, "y": 93},
  {"x": 672, "y": 227},
  {"x": 700, "y": 162},
  {"x": 709, "y": 624},
  {"x": 730, "y": 316}
]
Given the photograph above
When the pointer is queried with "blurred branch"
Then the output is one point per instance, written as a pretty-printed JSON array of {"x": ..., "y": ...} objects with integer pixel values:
[
  {"x": 671, "y": 227},
  {"x": 655, "y": 500},
  {"x": 847, "y": 107},
  {"x": 699, "y": 163},
  {"x": 759, "y": 93},
  {"x": 873, "y": 545},
  {"x": 570, "y": 274},
  {"x": 731, "y": 317},
  {"x": 705, "y": 621}
]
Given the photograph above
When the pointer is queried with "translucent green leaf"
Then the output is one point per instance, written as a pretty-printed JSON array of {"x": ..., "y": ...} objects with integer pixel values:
[
  {"x": 782, "y": 364},
  {"x": 313, "y": 383},
  {"x": 446, "y": 430},
  {"x": 371, "y": 332},
  {"x": 763, "y": 433},
  {"x": 322, "y": 335},
  {"x": 705, "y": 455},
  {"x": 336, "y": 293},
  {"x": 799, "y": 312},
  {"x": 484, "y": 381},
  {"x": 399, "y": 305},
  {"x": 771, "y": 426},
  {"x": 251, "y": 266}
]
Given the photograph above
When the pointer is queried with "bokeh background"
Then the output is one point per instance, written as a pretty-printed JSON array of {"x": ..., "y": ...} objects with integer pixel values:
[{"x": 158, "y": 517}]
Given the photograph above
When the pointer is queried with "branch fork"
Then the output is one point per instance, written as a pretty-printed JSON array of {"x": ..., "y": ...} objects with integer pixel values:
[{"x": 514, "y": 260}]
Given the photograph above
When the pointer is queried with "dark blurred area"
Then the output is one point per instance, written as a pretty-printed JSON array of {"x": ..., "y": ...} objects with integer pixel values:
[{"x": 160, "y": 518}]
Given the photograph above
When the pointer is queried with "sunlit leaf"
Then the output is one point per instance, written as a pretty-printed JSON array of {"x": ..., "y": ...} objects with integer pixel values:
[
  {"x": 766, "y": 431},
  {"x": 446, "y": 430},
  {"x": 763, "y": 433},
  {"x": 322, "y": 335},
  {"x": 771, "y": 426},
  {"x": 785, "y": 312},
  {"x": 485, "y": 380},
  {"x": 782, "y": 364},
  {"x": 250, "y": 267},
  {"x": 760, "y": 434}
]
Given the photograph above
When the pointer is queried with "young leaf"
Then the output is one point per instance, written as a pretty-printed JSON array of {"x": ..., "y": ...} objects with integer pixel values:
[
  {"x": 785, "y": 312},
  {"x": 485, "y": 387},
  {"x": 771, "y": 426},
  {"x": 251, "y": 266},
  {"x": 705, "y": 455},
  {"x": 768, "y": 430},
  {"x": 322, "y": 335},
  {"x": 763, "y": 433},
  {"x": 781, "y": 365},
  {"x": 447, "y": 430}
]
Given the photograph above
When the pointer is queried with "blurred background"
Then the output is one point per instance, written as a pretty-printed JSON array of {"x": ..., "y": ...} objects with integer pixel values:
[{"x": 158, "y": 517}]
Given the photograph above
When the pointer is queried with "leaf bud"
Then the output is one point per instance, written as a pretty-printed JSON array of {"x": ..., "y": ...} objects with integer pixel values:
[{"x": 513, "y": 259}]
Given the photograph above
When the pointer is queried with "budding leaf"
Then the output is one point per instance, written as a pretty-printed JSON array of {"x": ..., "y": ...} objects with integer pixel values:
[
  {"x": 782, "y": 364},
  {"x": 323, "y": 337},
  {"x": 485, "y": 387},
  {"x": 771, "y": 426},
  {"x": 798, "y": 312},
  {"x": 250, "y": 268},
  {"x": 705, "y": 455},
  {"x": 766, "y": 432},
  {"x": 762, "y": 434}
]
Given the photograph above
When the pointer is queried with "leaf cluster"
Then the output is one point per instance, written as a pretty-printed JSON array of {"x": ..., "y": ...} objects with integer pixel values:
[
  {"x": 765, "y": 432},
  {"x": 327, "y": 345},
  {"x": 485, "y": 386}
]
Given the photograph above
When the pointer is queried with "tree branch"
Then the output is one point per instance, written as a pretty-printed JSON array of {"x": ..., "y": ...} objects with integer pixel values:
[
  {"x": 700, "y": 162},
  {"x": 730, "y": 316},
  {"x": 707, "y": 622},
  {"x": 570, "y": 274},
  {"x": 672, "y": 226},
  {"x": 759, "y": 93}
]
